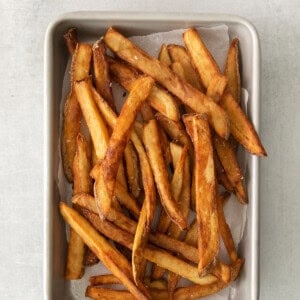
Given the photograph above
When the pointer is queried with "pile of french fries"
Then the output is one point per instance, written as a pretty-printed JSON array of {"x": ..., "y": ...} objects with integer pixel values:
[{"x": 172, "y": 146}]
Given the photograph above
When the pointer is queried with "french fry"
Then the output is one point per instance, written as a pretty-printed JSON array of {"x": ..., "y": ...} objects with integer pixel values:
[
  {"x": 240, "y": 192},
  {"x": 82, "y": 184},
  {"x": 190, "y": 96},
  {"x": 152, "y": 144},
  {"x": 176, "y": 131},
  {"x": 132, "y": 168},
  {"x": 92, "y": 117},
  {"x": 205, "y": 64},
  {"x": 147, "y": 112},
  {"x": 165, "y": 146},
  {"x": 90, "y": 258},
  {"x": 80, "y": 68},
  {"x": 164, "y": 55},
  {"x": 121, "y": 177},
  {"x": 159, "y": 99},
  {"x": 179, "y": 54},
  {"x": 207, "y": 218},
  {"x": 225, "y": 230},
  {"x": 106, "y": 178},
  {"x": 101, "y": 72},
  {"x": 232, "y": 71},
  {"x": 108, "y": 255},
  {"x": 147, "y": 212},
  {"x": 178, "y": 69},
  {"x": 104, "y": 279},
  {"x": 240, "y": 127},
  {"x": 71, "y": 40}
]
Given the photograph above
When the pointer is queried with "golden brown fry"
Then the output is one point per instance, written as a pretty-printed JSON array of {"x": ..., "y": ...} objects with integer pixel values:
[
  {"x": 132, "y": 169},
  {"x": 164, "y": 55},
  {"x": 82, "y": 183},
  {"x": 152, "y": 144},
  {"x": 101, "y": 72},
  {"x": 222, "y": 271},
  {"x": 232, "y": 71},
  {"x": 225, "y": 230},
  {"x": 147, "y": 112},
  {"x": 240, "y": 127},
  {"x": 201, "y": 58},
  {"x": 121, "y": 177},
  {"x": 96, "y": 292},
  {"x": 106, "y": 178},
  {"x": 190, "y": 96},
  {"x": 71, "y": 40},
  {"x": 207, "y": 218},
  {"x": 80, "y": 68},
  {"x": 147, "y": 212},
  {"x": 180, "y": 55},
  {"x": 165, "y": 146},
  {"x": 216, "y": 87},
  {"x": 228, "y": 159},
  {"x": 90, "y": 258},
  {"x": 240, "y": 192},
  {"x": 82, "y": 167},
  {"x": 159, "y": 99},
  {"x": 176, "y": 131},
  {"x": 104, "y": 279},
  {"x": 92, "y": 116},
  {"x": 178, "y": 69},
  {"x": 108, "y": 255},
  {"x": 176, "y": 265}
]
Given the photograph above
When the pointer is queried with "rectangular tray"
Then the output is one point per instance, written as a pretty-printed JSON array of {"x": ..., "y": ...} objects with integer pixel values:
[{"x": 94, "y": 24}]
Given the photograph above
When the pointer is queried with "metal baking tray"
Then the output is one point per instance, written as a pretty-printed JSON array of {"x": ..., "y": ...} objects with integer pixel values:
[{"x": 93, "y": 25}]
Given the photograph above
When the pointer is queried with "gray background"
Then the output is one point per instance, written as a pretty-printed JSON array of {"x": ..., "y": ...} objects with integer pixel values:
[{"x": 22, "y": 30}]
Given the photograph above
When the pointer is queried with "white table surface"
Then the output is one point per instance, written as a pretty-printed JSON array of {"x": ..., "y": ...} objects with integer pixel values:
[{"x": 23, "y": 25}]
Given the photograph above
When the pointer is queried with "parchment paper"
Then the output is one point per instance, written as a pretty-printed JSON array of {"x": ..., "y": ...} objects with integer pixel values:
[{"x": 217, "y": 40}]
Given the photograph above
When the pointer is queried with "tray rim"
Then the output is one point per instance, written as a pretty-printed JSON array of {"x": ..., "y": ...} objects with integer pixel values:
[{"x": 139, "y": 17}]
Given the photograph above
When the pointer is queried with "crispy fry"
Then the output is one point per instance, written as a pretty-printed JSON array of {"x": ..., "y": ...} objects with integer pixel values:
[
  {"x": 101, "y": 72},
  {"x": 176, "y": 131},
  {"x": 121, "y": 177},
  {"x": 240, "y": 127},
  {"x": 204, "y": 62},
  {"x": 92, "y": 117},
  {"x": 82, "y": 167},
  {"x": 165, "y": 146},
  {"x": 108, "y": 255},
  {"x": 190, "y": 96},
  {"x": 106, "y": 177},
  {"x": 164, "y": 55},
  {"x": 208, "y": 231},
  {"x": 159, "y": 99},
  {"x": 80, "y": 68},
  {"x": 132, "y": 168},
  {"x": 176, "y": 265},
  {"x": 178, "y": 69},
  {"x": 96, "y": 292},
  {"x": 216, "y": 87},
  {"x": 71, "y": 40},
  {"x": 152, "y": 143},
  {"x": 225, "y": 230},
  {"x": 232, "y": 70},
  {"x": 180, "y": 55},
  {"x": 82, "y": 183},
  {"x": 147, "y": 212},
  {"x": 240, "y": 192},
  {"x": 104, "y": 279}
]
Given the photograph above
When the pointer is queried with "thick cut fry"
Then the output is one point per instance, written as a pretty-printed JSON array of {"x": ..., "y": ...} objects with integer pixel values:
[
  {"x": 80, "y": 68},
  {"x": 82, "y": 166},
  {"x": 71, "y": 40},
  {"x": 232, "y": 70},
  {"x": 106, "y": 178},
  {"x": 147, "y": 213},
  {"x": 190, "y": 96},
  {"x": 176, "y": 131},
  {"x": 176, "y": 265},
  {"x": 152, "y": 144},
  {"x": 101, "y": 72},
  {"x": 178, "y": 69},
  {"x": 225, "y": 230},
  {"x": 216, "y": 87},
  {"x": 92, "y": 117},
  {"x": 159, "y": 99},
  {"x": 132, "y": 170},
  {"x": 207, "y": 218},
  {"x": 240, "y": 127},
  {"x": 228, "y": 159},
  {"x": 201, "y": 58},
  {"x": 180, "y": 55},
  {"x": 82, "y": 184},
  {"x": 108, "y": 255},
  {"x": 164, "y": 55}
]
